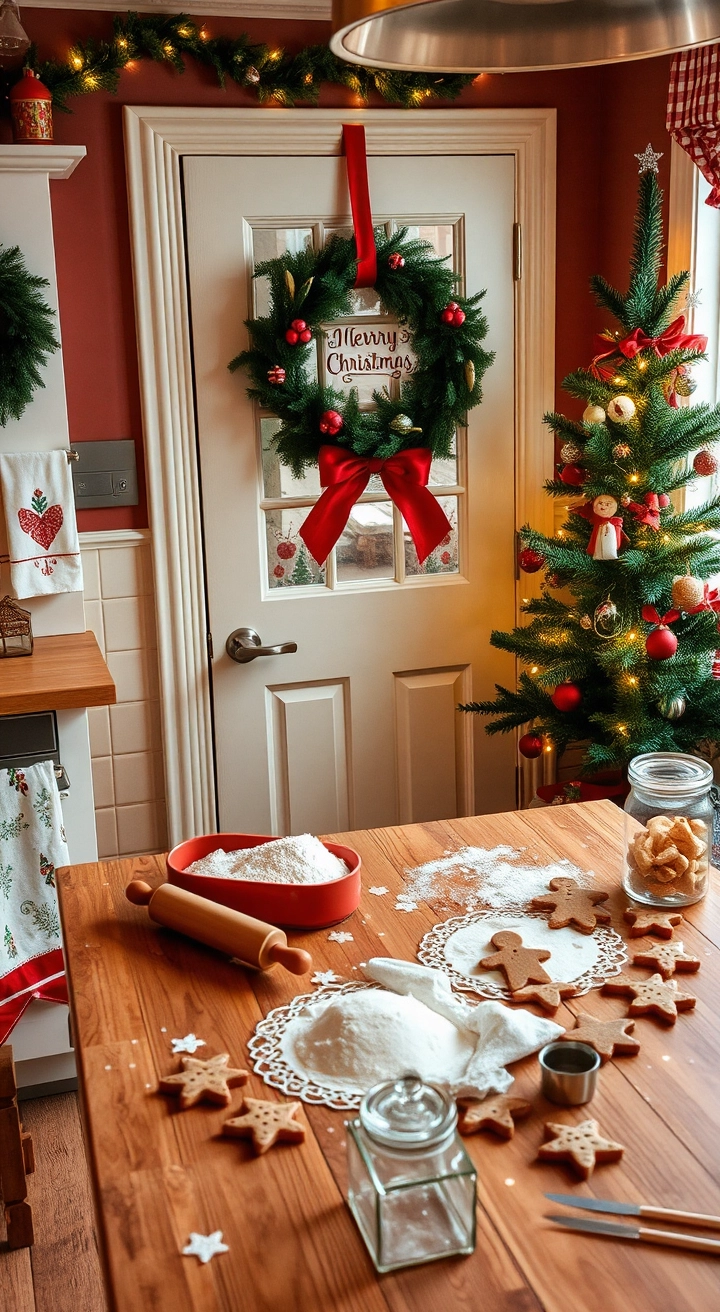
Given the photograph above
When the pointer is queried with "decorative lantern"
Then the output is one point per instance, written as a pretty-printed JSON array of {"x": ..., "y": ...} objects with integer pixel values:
[
  {"x": 31, "y": 108},
  {"x": 15, "y": 629},
  {"x": 14, "y": 40}
]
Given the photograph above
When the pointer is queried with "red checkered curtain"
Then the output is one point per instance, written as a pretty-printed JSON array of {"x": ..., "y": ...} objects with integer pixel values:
[{"x": 693, "y": 111}]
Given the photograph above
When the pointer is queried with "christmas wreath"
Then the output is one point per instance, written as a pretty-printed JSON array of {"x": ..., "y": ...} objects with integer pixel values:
[
  {"x": 27, "y": 334},
  {"x": 442, "y": 358}
]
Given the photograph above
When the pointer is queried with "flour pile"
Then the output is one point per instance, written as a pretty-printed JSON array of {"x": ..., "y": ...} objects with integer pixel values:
[
  {"x": 355, "y": 1039},
  {"x": 298, "y": 860},
  {"x": 476, "y": 877}
]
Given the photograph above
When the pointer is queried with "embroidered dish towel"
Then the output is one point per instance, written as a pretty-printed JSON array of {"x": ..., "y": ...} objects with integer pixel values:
[
  {"x": 32, "y": 844},
  {"x": 42, "y": 535}
]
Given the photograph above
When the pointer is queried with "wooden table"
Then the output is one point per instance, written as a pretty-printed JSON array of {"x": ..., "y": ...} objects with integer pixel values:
[{"x": 158, "y": 1174}]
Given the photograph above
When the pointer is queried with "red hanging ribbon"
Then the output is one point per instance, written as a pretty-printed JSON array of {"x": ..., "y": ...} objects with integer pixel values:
[
  {"x": 710, "y": 601},
  {"x": 345, "y": 477},
  {"x": 651, "y": 616},
  {"x": 357, "y": 175},
  {"x": 672, "y": 339}
]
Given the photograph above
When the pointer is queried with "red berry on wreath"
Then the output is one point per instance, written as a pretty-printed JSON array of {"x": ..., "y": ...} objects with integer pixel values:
[
  {"x": 661, "y": 644},
  {"x": 530, "y": 560},
  {"x": 447, "y": 315},
  {"x": 458, "y": 317},
  {"x": 530, "y": 745},
  {"x": 330, "y": 422},
  {"x": 396, "y": 260},
  {"x": 291, "y": 337},
  {"x": 276, "y": 375},
  {"x": 285, "y": 550},
  {"x": 279, "y": 572},
  {"x": 566, "y": 697},
  {"x": 299, "y": 325},
  {"x": 705, "y": 463}
]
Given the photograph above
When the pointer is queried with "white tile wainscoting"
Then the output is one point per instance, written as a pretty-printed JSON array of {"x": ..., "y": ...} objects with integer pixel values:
[{"x": 125, "y": 739}]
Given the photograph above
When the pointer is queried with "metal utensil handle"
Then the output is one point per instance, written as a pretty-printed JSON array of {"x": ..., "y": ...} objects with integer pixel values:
[
  {"x": 681, "y": 1218},
  {"x": 245, "y": 644},
  {"x": 698, "y": 1243}
]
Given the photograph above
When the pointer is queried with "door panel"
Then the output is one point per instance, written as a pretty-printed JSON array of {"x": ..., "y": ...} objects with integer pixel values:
[{"x": 341, "y": 729}]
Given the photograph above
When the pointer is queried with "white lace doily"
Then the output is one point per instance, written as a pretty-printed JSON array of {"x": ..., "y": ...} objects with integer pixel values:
[
  {"x": 456, "y": 947},
  {"x": 268, "y": 1059}
]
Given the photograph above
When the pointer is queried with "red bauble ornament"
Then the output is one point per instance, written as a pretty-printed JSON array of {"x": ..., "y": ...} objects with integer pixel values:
[
  {"x": 31, "y": 109},
  {"x": 530, "y": 560},
  {"x": 661, "y": 644},
  {"x": 396, "y": 260},
  {"x": 291, "y": 337},
  {"x": 573, "y": 475},
  {"x": 298, "y": 332},
  {"x": 452, "y": 314},
  {"x": 705, "y": 463},
  {"x": 554, "y": 581},
  {"x": 530, "y": 745},
  {"x": 279, "y": 572},
  {"x": 330, "y": 423},
  {"x": 276, "y": 375},
  {"x": 566, "y": 697},
  {"x": 286, "y": 550}
]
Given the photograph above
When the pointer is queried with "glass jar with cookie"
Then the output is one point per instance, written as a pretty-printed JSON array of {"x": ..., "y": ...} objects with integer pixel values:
[{"x": 668, "y": 829}]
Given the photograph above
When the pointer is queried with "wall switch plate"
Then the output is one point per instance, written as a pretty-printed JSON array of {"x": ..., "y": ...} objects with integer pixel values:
[{"x": 105, "y": 474}]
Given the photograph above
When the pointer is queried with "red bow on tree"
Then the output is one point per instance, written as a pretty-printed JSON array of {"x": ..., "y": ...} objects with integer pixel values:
[
  {"x": 710, "y": 601},
  {"x": 345, "y": 477},
  {"x": 649, "y": 512},
  {"x": 672, "y": 339},
  {"x": 651, "y": 616}
]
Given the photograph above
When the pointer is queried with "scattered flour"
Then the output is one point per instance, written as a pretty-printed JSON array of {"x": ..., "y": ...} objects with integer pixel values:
[
  {"x": 340, "y": 936},
  {"x": 298, "y": 860},
  {"x": 359, "y": 1039},
  {"x": 476, "y": 877}
]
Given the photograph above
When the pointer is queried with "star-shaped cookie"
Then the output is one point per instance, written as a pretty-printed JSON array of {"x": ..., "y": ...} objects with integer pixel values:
[
  {"x": 667, "y": 958},
  {"x": 572, "y": 905},
  {"x": 654, "y": 996},
  {"x": 609, "y": 1038},
  {"x": 209, "y": 1081},
  {"x": 659, "y": 923},
  {"x": 266, "y": 1123},
  {"x": 496, "y": 1113},
  {"x": 581, "y": 1146},
  {"x": 520, "y": 964},
  {"x": 547, "y": 996}
]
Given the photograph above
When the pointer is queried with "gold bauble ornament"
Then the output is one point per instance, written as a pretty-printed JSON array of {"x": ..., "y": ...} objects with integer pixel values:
[
  {"x": 672, "y": 708},
  {"x": 469, "y": 375},
  {"x": 621, "y": 409},
  {"x": 585, "y": 622},
  {"x": 621, "y": 451},
  {"x": 594, "y": 414},
  {"x": 569, "y": 453},
  {"x": 403, "y": 424},
  {"x": 687, "y": 591}
]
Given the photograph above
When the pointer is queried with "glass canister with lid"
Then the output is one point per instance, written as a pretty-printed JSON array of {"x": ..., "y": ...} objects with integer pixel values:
[
  {"x": 668, "y": 829},
  {"x": 411, "y": 1182}
]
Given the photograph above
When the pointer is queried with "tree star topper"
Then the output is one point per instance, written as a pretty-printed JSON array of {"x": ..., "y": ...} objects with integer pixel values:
[
  {"x": 648, "y": 159},
  {"x": 205, "y": 1247}
]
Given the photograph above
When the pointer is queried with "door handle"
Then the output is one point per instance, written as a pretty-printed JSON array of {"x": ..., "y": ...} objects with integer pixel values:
[{"x": 244, "y": 645}]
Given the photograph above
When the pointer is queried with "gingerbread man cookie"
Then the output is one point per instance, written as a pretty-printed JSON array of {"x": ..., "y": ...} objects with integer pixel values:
[
  {"x": 581, "y": 1146},
  {"x": 667, "y": 958},
  {"x": 520, "y": 964},
  {"x": 654, "y": 996},
  {"x": 609, "y": 1038},
  {"x": 209, "y": 1081},
  {"x": 572, "y": 905},
  {"x": 659, "y": 923},
  {"x": 266, "y": 1123},
  {"x": 547, "y": 996},
  {"x": 496, "y": 1113}
]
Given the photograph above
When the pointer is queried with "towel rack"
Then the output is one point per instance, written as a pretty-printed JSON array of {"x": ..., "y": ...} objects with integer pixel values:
[{"x": 72, "y": 455}]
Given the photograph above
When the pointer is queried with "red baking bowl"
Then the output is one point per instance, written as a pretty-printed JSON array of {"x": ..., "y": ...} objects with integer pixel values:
[{"x": 291, "y": 906}]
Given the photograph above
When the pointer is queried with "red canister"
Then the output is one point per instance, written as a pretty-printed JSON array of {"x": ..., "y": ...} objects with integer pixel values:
[{"x": 31, "y": 109}]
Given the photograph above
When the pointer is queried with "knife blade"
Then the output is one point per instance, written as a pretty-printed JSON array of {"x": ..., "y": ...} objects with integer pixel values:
[
  {"x": 596, "y": 1204},
  {"x": 666, "y": 1238},
  {"x": 643, "y": 1210}
]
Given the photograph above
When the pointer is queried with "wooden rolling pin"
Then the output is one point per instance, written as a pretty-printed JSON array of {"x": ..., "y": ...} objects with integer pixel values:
[{"x": 219, "y": 927}]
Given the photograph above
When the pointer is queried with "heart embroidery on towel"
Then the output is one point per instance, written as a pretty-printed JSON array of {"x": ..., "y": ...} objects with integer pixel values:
[{"x": 43, "y": 522}]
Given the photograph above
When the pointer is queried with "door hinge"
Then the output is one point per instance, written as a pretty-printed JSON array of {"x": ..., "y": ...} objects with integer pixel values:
[
  {"x": 517, "y": 252},
  {"x": 210, "y": 647}
]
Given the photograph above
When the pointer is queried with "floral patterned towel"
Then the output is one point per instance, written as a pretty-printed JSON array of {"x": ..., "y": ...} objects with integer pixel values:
[{"x": 32, "y": 844}]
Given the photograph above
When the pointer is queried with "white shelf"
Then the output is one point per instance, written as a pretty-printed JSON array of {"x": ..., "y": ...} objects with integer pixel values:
[{"x": 56, "y": 161}]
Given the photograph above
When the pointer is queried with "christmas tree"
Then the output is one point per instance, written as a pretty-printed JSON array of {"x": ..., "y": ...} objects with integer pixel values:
[
  {"x": 302, "y": 572},
  {"x": 627, "y": 664}
]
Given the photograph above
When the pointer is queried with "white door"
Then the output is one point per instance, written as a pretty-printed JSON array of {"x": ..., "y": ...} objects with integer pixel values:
[{"x": 358, "y": 728}]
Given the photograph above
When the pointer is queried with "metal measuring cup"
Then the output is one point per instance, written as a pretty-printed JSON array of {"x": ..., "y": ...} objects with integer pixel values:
[{"x": 569, "y": 1072}]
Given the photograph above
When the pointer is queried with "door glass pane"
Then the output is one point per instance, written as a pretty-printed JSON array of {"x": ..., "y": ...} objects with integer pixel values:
[
  {"x": 365, "y": 550},
  {"x": 440, "y": 235},
  {"x": 268, "y": 244},
  {"x": 444, "y": 559},
  {"x": 365, "y": 299},
  {"x": 367, "y": 356},
  {"x": 278, "y": 480},
  {"x": 444, "y": 472},
  {"x": 290, "y": 564}
]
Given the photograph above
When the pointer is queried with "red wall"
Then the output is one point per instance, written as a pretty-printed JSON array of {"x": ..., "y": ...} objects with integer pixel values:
[{"x": 604, "y": 116}]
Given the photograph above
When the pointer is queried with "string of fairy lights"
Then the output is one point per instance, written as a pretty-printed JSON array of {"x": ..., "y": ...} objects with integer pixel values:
[{"x": 271, "y": 73}]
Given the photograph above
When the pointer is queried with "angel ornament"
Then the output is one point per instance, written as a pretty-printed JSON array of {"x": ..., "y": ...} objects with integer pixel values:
[{"x": 607, "y": 535}]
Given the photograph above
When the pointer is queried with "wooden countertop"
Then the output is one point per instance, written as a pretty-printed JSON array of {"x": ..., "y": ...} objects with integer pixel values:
[
  {"x": 65, "y": 671},
  {"x": 293, "y": 1245}
]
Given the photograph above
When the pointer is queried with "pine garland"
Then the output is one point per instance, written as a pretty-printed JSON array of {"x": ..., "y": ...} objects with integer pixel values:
[
  {"x": 27, "y": 335},
  {"x": 268, "y": 71},
  {"x": 317, "y": 286},
  {"x": 625, "y": 694}
]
